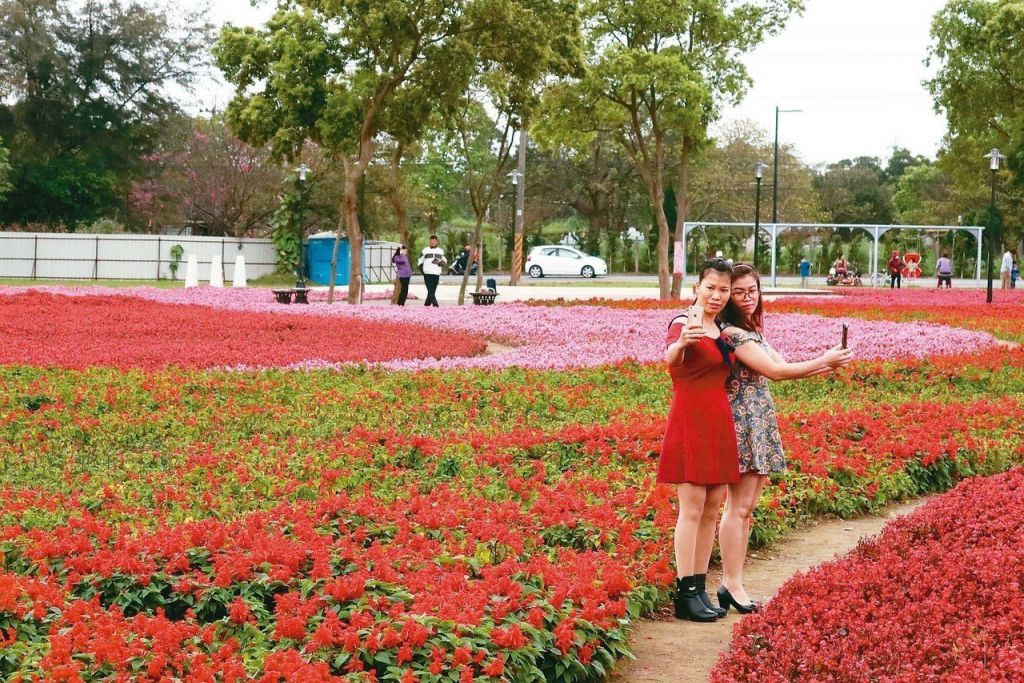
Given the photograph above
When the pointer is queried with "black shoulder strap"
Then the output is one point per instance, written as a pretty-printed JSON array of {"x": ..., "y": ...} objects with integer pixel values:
[{"x": 673, "y": 321}]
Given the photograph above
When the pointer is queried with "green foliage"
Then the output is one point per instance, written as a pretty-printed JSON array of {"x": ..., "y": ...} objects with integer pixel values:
[
  {"x": 343, "y": 73},
  {"x": 177, "y": 251},
  {"x": 854, "y": 191},
  {"x": 922, "y": 197},
  {"x": 657, "y": 74},
  {"x": 85, "y": 92},
  {"x": 104, "y": 226},
  {"x": 980, "y": 58},
  {"x": 285, "y": 231}
]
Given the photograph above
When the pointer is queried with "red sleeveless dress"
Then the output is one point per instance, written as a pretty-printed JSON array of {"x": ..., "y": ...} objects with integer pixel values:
[{"x": 700, "y": 441}]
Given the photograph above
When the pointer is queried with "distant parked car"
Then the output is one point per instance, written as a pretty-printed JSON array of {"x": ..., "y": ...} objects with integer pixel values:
[{"x": 557, "y": 259}]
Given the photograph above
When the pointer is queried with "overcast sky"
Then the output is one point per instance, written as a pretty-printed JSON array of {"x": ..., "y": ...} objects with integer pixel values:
[{"x": 854, "y": 67}]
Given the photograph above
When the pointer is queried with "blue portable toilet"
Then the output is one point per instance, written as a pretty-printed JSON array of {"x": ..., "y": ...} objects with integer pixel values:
[{"x": 318, "y": 259}]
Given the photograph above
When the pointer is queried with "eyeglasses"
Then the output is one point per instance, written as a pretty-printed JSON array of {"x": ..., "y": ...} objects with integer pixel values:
[{"x": 746, "y": 293}]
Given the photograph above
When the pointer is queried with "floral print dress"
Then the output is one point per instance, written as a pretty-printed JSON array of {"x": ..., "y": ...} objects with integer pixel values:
[{"x": 753, "y": 412}]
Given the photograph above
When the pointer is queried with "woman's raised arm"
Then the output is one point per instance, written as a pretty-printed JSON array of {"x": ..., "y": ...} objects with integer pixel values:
[{"x": 758, "y": 360}]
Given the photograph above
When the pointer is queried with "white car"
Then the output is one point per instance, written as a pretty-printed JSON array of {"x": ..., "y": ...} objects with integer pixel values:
[{"x": 557, "y": 259}]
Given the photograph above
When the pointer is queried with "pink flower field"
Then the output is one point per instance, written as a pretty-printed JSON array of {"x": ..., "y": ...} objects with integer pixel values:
[{"x": 547, "y": 337}]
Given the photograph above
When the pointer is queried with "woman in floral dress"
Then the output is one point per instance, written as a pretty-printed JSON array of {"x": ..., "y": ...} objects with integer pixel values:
[{"x": 757, "y": 431}]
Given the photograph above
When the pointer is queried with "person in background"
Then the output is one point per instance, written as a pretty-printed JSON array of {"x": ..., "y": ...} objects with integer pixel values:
[
  {"x": 432, "y": 262},
  {"x": 403, "y": 270},
  {"x": 895, "y": 270},
  {"x": 944, "y": 269},
  {"x": 1014, "y": 274},
  {"x": 1005, "y": 267},
  {"x": 805, "y": 271},
  {"x": 841, "y": 266}
]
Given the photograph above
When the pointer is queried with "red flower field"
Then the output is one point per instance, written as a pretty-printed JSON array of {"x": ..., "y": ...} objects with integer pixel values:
[
  {"x": 937, "y": 597},
  {"x": 39, "y": 328},
  {"x": 162, "y": 522}
]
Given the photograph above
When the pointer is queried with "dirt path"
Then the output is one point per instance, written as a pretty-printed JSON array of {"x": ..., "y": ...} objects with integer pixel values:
[
  {"x": 681, "y": 652},
  {"x": 494, "y": 347}
]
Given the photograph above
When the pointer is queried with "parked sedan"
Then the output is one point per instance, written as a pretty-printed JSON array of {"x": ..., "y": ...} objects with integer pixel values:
[{"x": 556, "y": 259}]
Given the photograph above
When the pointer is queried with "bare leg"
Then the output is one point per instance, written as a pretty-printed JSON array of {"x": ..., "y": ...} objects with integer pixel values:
[
  {"x": 735, "y": 532},
  {"x": 706, "y": 530},
  {"x": 762, "y": 480},
  {"x": 691, "y": 504}
]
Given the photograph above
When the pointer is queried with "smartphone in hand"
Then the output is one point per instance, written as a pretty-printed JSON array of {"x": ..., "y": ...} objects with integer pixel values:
[
  {"x": 846, "y": 329},
  {"x": 696, "y": 316}
]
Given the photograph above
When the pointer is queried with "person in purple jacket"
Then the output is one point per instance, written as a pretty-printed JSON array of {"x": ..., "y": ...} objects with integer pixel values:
[
  {"x": 404, "y": 271},
  {"x": 944, "y": 270}
]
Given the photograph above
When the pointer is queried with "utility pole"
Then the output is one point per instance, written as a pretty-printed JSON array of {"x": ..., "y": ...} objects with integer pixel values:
[{"x": 519, "y": 181}]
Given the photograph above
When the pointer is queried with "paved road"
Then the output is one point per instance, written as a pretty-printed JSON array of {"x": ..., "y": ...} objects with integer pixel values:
[{"x": 611, "y": 287}]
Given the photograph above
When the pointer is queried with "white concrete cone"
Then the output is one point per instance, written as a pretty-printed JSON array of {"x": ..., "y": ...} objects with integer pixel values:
[
  {"x": 239, "y": 279},
  {"x": 192, "y": 271},
  {"x": 216, "y": 271}
]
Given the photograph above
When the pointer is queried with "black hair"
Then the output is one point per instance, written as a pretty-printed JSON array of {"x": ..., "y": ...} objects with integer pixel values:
[
  {"x": 718, "y": 264},
  {"x": 732, "y": 314},
  {"x": 433, "y": 237}
]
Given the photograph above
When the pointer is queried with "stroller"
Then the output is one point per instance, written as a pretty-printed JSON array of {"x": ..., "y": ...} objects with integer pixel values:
[
  {"x": 851, "y": 278},
  {"x": 458, "y": 267}
]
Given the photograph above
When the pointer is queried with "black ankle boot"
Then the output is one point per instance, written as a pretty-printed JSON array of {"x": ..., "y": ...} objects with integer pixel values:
[
  {"x": 700, "y": 580},
  {"x": 726, "y": 600},
  {"x": 687, "y": 603}
]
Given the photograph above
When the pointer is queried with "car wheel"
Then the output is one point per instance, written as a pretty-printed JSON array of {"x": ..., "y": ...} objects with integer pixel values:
[
  {"x": 588, "y": 271},
  {"x": 535, "y": 272}
]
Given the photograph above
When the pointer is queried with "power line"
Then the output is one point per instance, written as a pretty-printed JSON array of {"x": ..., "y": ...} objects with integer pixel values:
[{"x": 840, "y": 97}]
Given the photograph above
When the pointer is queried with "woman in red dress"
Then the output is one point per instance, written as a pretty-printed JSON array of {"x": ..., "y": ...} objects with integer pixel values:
[{"x": 699, "y": 453}]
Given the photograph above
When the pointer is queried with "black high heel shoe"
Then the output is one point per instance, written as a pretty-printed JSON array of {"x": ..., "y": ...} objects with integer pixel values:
[
  {"x": 687, "y": 605},
  {"x": 702, "y": 592},
  {"x": 726, "y": 600}
]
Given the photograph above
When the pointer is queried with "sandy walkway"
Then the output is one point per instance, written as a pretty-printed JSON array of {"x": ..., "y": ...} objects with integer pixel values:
[{"x": 679, "y": 651}]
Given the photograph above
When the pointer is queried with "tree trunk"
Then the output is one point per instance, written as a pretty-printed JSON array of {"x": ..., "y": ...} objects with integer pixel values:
[
  {"x": 664, "y": 237},
  {"x": 469, "y": 262},
  {"x": 652, "y": 170},
  {"x": 683, "y": 204},
  {"x": 355, "y": 237},
  {"x": 395, "y": 196},
  {"x": 350, "y": 211},
  {"x": 479, "y": 258},
  {"x": 334, "y": 252}
]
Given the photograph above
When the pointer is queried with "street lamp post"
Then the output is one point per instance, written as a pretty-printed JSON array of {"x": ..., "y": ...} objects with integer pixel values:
[
  {"x": 758, "y": 175},
  {"x": 994, "y": 158},
  {"x": 300, "y": 276}
]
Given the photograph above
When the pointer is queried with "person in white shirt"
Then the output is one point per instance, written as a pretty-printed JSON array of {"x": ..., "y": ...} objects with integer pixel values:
[
  {"x": 432, "y": 262},
  {"x": 1006, "y": 267}
]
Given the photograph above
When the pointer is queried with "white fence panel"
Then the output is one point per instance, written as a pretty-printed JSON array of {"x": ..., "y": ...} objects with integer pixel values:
[{"x": 126, "y": 257}]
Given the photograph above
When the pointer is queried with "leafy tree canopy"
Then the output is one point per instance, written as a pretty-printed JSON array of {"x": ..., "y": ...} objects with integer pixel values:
[{"x": 87, "y": 86}]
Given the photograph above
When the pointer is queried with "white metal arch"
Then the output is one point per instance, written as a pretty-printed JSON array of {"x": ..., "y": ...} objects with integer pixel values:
[{"x": 876, "y": 231}]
